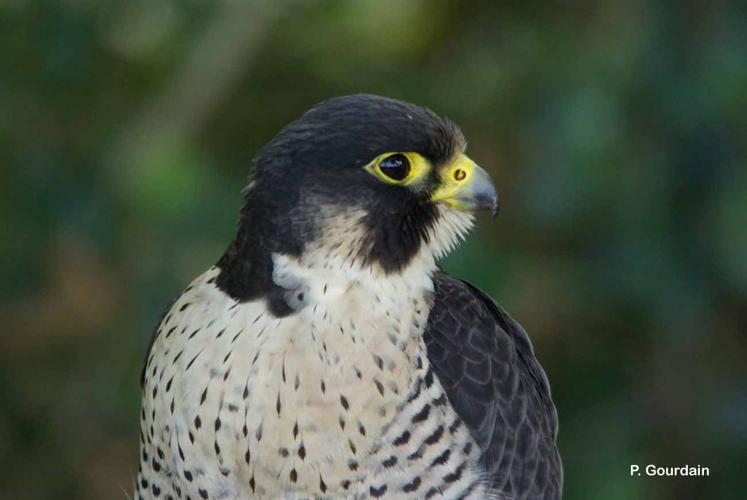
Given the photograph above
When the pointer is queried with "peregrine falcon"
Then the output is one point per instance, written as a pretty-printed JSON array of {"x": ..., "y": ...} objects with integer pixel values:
[{"x": 326, "y": 355}]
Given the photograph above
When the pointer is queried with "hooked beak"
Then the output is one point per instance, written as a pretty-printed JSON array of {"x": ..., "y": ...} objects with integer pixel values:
[{"x": 465, "y": 186}]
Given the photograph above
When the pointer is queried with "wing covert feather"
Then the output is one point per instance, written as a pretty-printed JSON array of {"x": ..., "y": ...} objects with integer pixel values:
[{"x": 486, "y": 364}]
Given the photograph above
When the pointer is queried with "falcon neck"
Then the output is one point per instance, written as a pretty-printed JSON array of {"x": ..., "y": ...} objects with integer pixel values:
[{"x": 336, "y": 250}]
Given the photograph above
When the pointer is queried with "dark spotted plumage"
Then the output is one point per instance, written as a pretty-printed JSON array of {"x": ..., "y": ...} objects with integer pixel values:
[
  {"x": 325, "y": 356},
  {"x": 485, "y": 362}
]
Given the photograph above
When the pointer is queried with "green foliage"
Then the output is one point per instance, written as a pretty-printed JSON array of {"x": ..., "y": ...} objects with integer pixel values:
[{"x": 614, "y": 131}]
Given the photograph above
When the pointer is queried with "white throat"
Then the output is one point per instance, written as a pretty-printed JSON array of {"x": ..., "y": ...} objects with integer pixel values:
[{"x": 335, "y": 261}]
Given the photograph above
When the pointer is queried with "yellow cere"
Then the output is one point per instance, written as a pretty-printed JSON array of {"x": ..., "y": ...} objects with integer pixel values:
[
  {"x": 418, "y": 168},
  {"x": 454, "y": 178}
]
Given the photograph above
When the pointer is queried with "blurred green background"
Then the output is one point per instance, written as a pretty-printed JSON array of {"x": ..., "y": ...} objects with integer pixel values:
[{"x": 615, "y": 132}]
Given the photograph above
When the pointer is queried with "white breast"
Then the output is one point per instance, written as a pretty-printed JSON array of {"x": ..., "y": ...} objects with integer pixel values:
[
  {"x": 304, "y": 396},
  {"x": 246, "y": 403}
]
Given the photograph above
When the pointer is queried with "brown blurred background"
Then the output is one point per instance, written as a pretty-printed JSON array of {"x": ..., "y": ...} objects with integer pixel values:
[{"x": 615, "y": 132}]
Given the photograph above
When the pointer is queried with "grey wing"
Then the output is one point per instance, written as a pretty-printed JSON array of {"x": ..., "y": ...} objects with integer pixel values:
[{"x": 486, "y": 364}]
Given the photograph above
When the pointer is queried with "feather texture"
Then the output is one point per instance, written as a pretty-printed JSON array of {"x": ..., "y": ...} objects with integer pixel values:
[{"x": 486, "y": 365}]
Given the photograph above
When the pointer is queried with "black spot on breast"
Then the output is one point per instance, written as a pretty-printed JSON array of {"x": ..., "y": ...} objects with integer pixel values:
[
  {"x": 379, "y": 362},
  {"x": 422, "y": 414},
  {"x": 455, "y": 425},
  {"x": 467, "y": 448},
  {"x": 412, "y": 485},
  {"x": 379, "y": 387},
  {"x": 431, "y": 493},
  {"x": 377, "y": 492},
  {"x": 238, "y": 334},
  {"x": 436, "y": 436},
  {"x": 402, "y": 439},
  {"x": 442, "y": 458},
  {"x": 322, "y": 484},
  {"x": 193, "y": 360},
  {"x": 456, "y": 475}
]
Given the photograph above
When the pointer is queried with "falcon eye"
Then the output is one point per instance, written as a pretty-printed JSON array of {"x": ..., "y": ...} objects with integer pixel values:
[
  {"x": 396, "y": 167},
  {"x": 400, "y": 169}
]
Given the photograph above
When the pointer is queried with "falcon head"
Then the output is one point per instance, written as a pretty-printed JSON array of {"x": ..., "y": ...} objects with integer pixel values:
[{"x": 359, "y": 180}]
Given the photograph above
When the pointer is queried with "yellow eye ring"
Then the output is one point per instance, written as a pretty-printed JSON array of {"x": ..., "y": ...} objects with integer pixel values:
[{"x": 398, "y": 168}]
